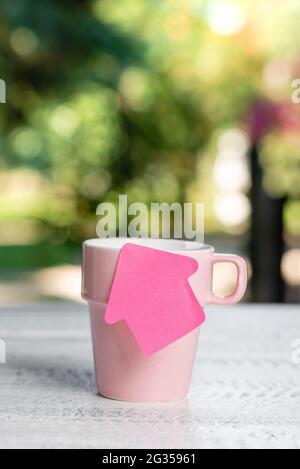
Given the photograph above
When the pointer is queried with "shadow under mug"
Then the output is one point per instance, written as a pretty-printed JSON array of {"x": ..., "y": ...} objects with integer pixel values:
[{"x": 123, "y": 372}]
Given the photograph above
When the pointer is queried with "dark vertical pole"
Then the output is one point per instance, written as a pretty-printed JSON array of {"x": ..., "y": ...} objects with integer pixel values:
[{"x": 266, "y": 245}]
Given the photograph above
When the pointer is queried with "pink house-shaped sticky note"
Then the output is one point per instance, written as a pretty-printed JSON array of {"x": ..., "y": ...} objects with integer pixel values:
[{"x": 152, "y": 294}]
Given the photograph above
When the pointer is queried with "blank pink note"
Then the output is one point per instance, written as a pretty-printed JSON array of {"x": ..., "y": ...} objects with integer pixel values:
[{"x": 152, "y": 294}]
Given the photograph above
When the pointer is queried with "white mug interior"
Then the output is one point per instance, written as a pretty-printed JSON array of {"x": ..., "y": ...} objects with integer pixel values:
[{"x": 163, "y": 244}]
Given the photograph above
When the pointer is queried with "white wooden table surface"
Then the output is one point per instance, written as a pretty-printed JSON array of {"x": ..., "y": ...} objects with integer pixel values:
[{"x": 245, "y": 391}]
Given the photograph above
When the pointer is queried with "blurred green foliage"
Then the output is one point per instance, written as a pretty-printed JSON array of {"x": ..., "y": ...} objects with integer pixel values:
[{"x": 129, "y": 96}]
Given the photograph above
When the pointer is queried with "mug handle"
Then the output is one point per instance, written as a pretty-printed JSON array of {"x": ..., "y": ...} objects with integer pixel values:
[{"x": 242, "y": 277}]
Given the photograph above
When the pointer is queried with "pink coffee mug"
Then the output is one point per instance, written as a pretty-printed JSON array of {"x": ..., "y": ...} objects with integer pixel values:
[{"x": 123, "y": 372}]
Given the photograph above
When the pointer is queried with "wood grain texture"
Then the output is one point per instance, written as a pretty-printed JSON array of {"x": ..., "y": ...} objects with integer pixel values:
[{"x": 245, "y": 391}]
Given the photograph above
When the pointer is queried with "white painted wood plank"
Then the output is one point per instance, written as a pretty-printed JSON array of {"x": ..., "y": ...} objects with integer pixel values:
[{"x": 245, "y": 391}]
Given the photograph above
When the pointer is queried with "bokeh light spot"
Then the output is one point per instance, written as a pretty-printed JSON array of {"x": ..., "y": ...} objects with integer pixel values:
[{"x": 24, "y": 41}]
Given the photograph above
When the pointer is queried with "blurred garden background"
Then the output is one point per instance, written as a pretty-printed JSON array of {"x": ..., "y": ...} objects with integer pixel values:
[{"x": 162, "y": 100}]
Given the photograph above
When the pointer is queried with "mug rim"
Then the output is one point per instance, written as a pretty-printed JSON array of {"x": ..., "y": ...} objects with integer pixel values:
[{"x": 154, "y": 243}]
